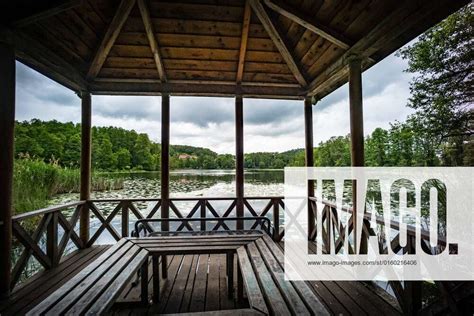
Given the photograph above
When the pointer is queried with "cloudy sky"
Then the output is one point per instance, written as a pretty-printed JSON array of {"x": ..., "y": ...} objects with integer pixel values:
[{"x": 270, "y": 125}]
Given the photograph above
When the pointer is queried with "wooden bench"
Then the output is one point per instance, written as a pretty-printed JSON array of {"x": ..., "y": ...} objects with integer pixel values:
[
  {"x": 94, "y": 290},
  {"x": 260, "y": 263}
]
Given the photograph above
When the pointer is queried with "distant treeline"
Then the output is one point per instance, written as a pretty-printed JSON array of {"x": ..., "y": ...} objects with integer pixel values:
[{"x": 119, "y": 149}]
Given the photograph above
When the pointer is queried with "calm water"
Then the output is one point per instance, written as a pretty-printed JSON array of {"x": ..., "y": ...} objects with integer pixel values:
[
  {"x": 183, "y": 183},
  {"x": 191, "y": 183}
]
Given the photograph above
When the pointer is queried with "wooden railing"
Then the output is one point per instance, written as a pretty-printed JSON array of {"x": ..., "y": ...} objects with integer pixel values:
[
  {"x": 45, "y": 234},
  {"x": 407, "y": 293},
  {"x": 195, "y": 207},
  {"x": 38, "y": 233}
]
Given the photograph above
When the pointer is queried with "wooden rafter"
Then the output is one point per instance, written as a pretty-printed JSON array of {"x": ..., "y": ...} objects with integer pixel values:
[
  {"x": 277, "y": 39},
  {"x": 53, "y": 9},
  {"x": 309, "y": 23},
  {"x": 243, "y": 41},
  {"x": 152, "y": 39},
  {"x": 388, "y": 30},
  {"x": 121, "y": 15}
]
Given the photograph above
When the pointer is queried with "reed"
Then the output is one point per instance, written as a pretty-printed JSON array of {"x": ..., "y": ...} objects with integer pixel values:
[{"x": 36, "y": 182}]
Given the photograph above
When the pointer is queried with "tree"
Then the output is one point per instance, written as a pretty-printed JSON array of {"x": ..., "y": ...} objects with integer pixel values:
[
  {"x": 106, "y": 159},
  {"x": 442, "y": 89},
  {"x": 376, "y": 148},
  {"x": 142, "y": 157},
  {"x": 72, "y": 151},
  {"x": 124, "y": 159}
]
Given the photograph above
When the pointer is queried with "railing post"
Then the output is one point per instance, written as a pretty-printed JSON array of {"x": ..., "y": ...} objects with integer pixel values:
[
  {"x": 7, "y": 127},
  {"x": 85, "y": 165},
  {"x": 52, "y": 239},
  {"x": 309, "y": 159},
  {"x": 239, "y": 159},
  {"x": 203, "y": 214},
  {"x": 125, "y": 219},
  {"x": 165, "y": 169},
  {"x": 276, "y": 219}
]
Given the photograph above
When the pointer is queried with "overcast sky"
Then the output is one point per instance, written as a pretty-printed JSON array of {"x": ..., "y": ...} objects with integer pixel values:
[{"x": 270, "y": 125}]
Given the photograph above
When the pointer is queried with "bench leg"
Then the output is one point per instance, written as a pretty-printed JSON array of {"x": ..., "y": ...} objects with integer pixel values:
[
  {"x": 230, "y": 274},
  {"x": 144, "y": 283},
  {"x": 240, "y": 283},
  {"x": 164, "y": 267},
  {"x": 156, "y": 279}
]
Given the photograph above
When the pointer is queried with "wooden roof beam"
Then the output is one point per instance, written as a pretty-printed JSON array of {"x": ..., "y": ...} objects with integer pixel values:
[
  {"x": 243, "y": 42},
  {"x": 309, "y": 23},
  {"x": 277, "y": 39},
  {"x": 44, "y": 12},
  {"x": 121, "y": 15},
  {"x": 398, "y": 22},
  {"x": 152, "y": 39}
]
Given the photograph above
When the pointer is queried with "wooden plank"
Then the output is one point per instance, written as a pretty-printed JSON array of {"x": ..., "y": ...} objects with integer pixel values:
[
  {"x": 177, "y": 10},
  {"x": 295, "y": 303},
  {"x": 99, "y": 281},
  {"x": 309, "y": 23},
  {"x": 191, "y": 249},
  {"x": 108, "y": 40},
  {"x": 224, "y": 301},
  {"x": 196, "y": 27},
  {"x": 278, "y": 40},
  {"x": 108, "y": 256},
  {"x": 26, "y": 296},
  {"x": 151, "y": 38},
  {"x": 54, "y": 8},
  {"x": 236, "y": 312},
  {"x": 39, "y": 57},
  {"x": 199, "y": 294},
  {"x": 213, "y": 290},
  {"x": 312, "y": 301},
  {"x": 271, "y": 292},
  {"x": 396, "y": 23},
  {"x": 177, "y": 293},
  {"x": 104, "y": 301},
  {"x": 252, "y": 287},
  {"x": 243, "y": 42},
  {"x": 188, "y": 290}
]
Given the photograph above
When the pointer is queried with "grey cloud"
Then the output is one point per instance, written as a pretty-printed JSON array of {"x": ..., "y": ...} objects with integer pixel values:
[
  {"x": 30, "y": 82},
  {"x": 388, "y": 71}
]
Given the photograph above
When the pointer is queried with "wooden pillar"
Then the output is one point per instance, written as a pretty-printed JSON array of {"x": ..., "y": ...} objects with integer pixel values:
[
  {"x": 357, "y": 136},
  {"x": 85, "y": 194},
  {"x": 165, "y": 172},
  {"x": 165, "y": 159},
  {"x": 239, "y": 158},
  {"x": 309, "y": 158},
  {"x": 7, "y": 127}
]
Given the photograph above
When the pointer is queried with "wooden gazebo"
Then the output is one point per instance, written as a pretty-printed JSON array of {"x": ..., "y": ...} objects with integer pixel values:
[{"x": 301, "y": 49}]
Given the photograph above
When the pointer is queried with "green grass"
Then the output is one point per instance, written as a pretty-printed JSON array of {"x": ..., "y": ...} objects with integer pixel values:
[{"x": 36, "y": 182}]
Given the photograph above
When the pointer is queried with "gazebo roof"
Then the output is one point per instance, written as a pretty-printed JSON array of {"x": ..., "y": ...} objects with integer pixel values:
[{"x": 259, "y": 48}]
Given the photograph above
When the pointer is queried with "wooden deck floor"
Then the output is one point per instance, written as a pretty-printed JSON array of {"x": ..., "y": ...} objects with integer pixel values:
[{"x": 195, "y": 283}]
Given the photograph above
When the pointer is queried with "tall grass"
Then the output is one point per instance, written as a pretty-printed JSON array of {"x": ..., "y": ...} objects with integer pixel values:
[{"x": 36, "y": 182}]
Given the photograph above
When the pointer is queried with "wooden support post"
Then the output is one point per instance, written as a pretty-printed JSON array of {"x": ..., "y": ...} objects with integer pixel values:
[
  {"x": 125, "y": 219},
  {"x": 52, "y": 240},
  {"x": 309, "y": 158},
  {"x": 276, "y": 219},
  {"x": 86, "y": 125},
  {"x": 165, "y": 170},
  {"x": 357, "y": 138},
  {"x": 239, "y": 159},
  {"x": 7, "y": 127}
]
